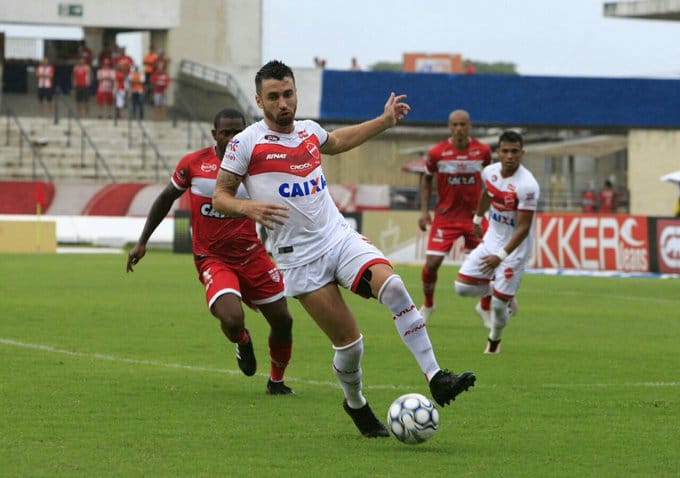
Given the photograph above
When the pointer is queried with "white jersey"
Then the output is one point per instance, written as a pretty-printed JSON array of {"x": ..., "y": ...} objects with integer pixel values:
[
  {"x": 286, "y": 168},
  {"x": 518, "y": 192}
]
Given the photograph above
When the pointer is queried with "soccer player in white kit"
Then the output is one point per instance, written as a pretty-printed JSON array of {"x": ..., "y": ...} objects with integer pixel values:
[
  {"x": 278, "y": 159},
  {"x": 510, "y": 194}
]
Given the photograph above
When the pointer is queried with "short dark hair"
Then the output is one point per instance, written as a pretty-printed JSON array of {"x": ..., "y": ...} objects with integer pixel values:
[
  {"x": 510, "y": 136},
  {"x": 228, "y": 113},
  {"x": 276, "y": 70}
]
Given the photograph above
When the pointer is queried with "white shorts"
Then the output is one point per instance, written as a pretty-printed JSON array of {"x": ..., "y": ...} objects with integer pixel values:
[
  {"x": 120, "y": 98},
  {"x": 344, "y": 263},
  {"x": 506, "y": 277}
]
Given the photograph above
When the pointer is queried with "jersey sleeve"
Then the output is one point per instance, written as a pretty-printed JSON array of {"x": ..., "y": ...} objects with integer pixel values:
[
  {"x": 236, "y": 156},
  {"x": 527, "y": 196},
  {"x": 317, "y": 130},
  {"x": 430, "y": 161},
  {"x": 181, "y": 177}
]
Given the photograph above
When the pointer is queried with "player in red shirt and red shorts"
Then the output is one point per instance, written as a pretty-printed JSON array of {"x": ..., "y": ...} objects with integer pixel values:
[
  {"x": 231, "y": 261},
  {"x": 457, "y": 163}
]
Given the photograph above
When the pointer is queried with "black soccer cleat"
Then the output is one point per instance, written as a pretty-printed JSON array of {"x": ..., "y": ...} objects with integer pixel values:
[
  {"x": 446, "y": 385},
  {"x": 366, "y": 421},
  {"x": 245, "y": 357},
  {"x": 278, "y": 388}
]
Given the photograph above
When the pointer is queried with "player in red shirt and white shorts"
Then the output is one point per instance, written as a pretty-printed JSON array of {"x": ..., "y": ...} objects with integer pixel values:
[
  {"x": 231, "y": 261},
  {"x": 457, "y": 163}
]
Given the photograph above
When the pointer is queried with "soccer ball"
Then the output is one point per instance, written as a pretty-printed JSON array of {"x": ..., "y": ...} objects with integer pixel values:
[{"x": 413, "y": 418}]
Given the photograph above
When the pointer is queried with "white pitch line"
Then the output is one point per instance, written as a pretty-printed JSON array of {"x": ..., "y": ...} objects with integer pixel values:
[{"x": 198, "y": 368}]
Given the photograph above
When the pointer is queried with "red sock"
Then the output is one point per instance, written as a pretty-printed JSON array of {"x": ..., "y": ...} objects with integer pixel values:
[
  {"x": 243, "y": 337},
  {"x": 279, "y": 353},
  {"x": 485, "y": 302},
  {"x": 429, "y": 283}
]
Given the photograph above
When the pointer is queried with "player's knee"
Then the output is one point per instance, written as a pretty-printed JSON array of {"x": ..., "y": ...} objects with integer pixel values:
[
  {"x": 470, "y": 290},
  {"x": 363, "y": 287}
]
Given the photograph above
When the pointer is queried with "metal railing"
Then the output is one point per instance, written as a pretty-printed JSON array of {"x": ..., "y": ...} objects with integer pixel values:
[
  {"x": 23, "y": 137},
  {"x": 192, "y": 120},
  {"x": 85, "y": 138},
  {"x": 221, "y": 78},
  {"x": 147, "y": 140}
]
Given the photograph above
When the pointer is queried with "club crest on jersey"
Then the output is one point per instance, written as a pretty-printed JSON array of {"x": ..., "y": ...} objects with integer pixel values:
[
  {"x": 275, "y": 275},
  {"x": 304, "y": 188},
  {"x": 313, "y": 150},
  {"x": 208, "y": 167}
]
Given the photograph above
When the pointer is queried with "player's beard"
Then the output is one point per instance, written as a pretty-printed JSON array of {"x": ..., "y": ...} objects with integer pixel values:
[{"x": 283, "y": 122}]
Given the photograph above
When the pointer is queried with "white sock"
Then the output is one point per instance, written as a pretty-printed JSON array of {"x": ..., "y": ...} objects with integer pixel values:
[
  {"x": 409, "y": 323},
  {"x": 499, "y": 317},
  {"x": 347, "y": 367}
]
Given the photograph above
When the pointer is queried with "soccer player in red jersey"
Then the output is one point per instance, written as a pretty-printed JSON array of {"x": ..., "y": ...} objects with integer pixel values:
[
  {"x": 457, "y": 163},
  {"x": 231, "y": 261}
]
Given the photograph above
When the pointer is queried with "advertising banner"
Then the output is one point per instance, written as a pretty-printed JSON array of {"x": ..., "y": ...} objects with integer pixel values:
[
  {"x": 592, "y": 242},
  {"x": 668, "y": 245}
]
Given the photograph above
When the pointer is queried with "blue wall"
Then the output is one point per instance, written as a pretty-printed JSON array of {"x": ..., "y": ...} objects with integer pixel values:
[{"x": 505, "y": 99}]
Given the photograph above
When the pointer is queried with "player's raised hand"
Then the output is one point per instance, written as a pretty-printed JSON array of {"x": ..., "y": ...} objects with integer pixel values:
[{"x": 396, "y": 108}]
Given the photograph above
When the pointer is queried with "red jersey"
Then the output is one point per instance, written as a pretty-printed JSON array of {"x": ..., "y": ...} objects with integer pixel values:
[
  {"x": 160, "y": 82},
  {"x": 607, "y": 200},
  {"x": 458, "y": 177},
  {"x": 105, "y": 80},
  {"x": 231, "y": 239},
  {"x": 81, "y": 76}
]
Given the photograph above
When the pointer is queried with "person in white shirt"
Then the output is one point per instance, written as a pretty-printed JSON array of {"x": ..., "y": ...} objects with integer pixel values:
[
  {"x": 494, "y": 269},
  {"x": 278, "y": 159}
]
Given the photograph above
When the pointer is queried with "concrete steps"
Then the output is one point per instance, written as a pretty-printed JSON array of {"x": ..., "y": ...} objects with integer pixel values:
[{"x": 68, "y": 156}]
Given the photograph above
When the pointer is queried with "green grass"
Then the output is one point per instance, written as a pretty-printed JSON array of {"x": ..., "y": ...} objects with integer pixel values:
[{"x": 112, "y": 374}]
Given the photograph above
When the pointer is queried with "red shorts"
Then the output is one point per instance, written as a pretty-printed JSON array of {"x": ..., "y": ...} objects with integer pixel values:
[
  {"x": 104, "y": 98},
  {"x": 257, "y": 282},
  {"x": 444, "y": 234}
]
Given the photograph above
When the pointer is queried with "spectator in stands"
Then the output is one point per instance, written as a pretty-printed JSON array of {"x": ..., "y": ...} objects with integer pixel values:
[
  {"x": 123, "y": 61},
  {"x": 81, "y": 79},
  {"x": 45, "y": 73},
  {"x": 84, "y": 51},
  {"x": 136, "y": 80},
  {"x": 588, "y": 200},
  {"x": 354, "y": 66},
  {"x": 160, "y": 80},
  {"x": 608, "y": 198},
  {"x": 106, "y": 78},
  {"x": 105, "y": 54},
  {"x": 120, "y": 90},
  {"x": 149, "y": 69}
]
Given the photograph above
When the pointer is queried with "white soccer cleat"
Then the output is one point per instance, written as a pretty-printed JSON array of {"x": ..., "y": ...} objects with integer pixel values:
[
  {"x": 513, "y": 307},
  {"x": 426, "y": 312},
  {"x": 484, "y": 314}
]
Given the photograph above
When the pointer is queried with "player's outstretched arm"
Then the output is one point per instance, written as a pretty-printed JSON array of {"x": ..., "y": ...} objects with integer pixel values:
[
  {"x": 344, "y": 139},
  {"x": 159, "y": 209}
]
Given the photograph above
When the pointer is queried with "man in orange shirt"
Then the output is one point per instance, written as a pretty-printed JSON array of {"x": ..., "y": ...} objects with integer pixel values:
[
  {"x": 136, "y": 78},
  {"x": 149, "y": 69}
]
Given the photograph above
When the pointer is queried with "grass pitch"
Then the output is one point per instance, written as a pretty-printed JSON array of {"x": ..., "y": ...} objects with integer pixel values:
[{"x": 112, "y": 374}]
